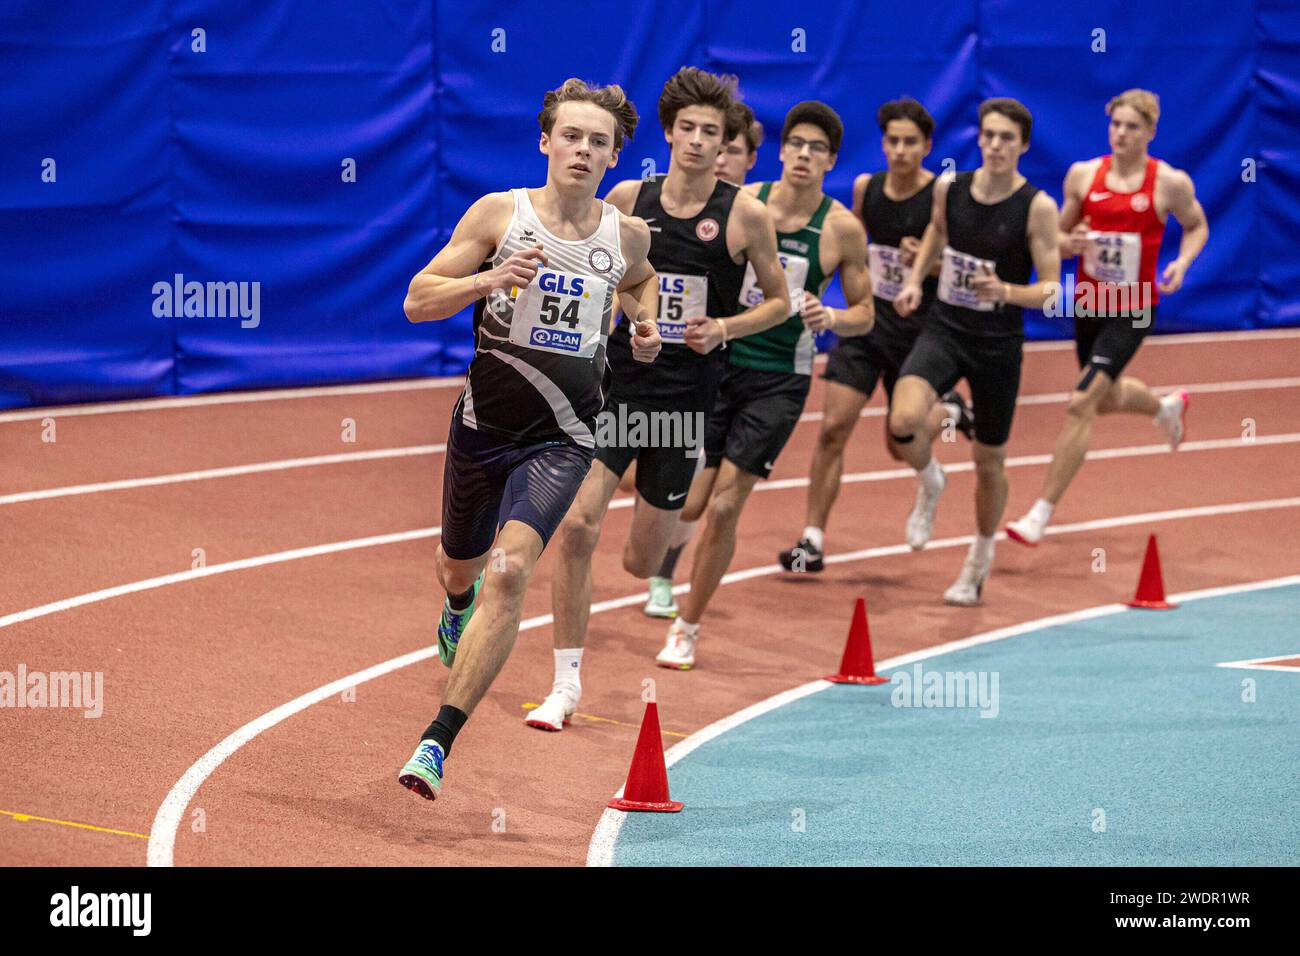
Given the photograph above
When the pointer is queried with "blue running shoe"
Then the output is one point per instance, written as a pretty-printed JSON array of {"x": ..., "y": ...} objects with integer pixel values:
[
  {"x": 423, "y": 772},
  {"x": 453, "y": 624}
]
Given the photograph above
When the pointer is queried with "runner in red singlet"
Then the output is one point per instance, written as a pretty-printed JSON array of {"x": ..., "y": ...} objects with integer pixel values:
[{"x": 1113, "y": 219}]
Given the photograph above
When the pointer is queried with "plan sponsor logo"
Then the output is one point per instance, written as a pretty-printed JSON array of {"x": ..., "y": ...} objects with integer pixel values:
[
  {"x": 557, "y": 339},
  {"x": 134, "y": 910}
]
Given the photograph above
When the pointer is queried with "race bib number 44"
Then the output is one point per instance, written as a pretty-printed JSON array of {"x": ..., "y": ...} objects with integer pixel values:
[
  {"x": 680, "y": 298},
  {"x": 796, "y": 277},
  {"x": 957, "y": 278},
  {"x": 560, "y": 312},
  {"x": 887, "y": 270},
  {"x": 1113, "y": 256}
]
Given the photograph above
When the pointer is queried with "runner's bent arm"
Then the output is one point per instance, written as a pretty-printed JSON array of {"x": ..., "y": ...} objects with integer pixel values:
[
  {"x": 759, "y": 231},
  {"x": 855, "y": 278},
  {"x": 932, "y": 243},
  {"x": 1044, "y": 247},
  {"x": 638, "y": 293},
  {"x": 1186, "y": 208},
  {"x": 452, "y": 281},
  {"x": 1072, "y": 234}
]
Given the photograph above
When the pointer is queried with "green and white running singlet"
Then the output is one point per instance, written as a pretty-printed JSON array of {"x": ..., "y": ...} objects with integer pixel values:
[{"x": 788, "y": 347}]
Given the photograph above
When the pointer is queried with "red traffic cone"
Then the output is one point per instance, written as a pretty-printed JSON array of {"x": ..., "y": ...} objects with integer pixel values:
[
  {"x": 856, "y": 666},
  {"x": 647, "y": 780},
  {"x": 1151, "y": 586}
]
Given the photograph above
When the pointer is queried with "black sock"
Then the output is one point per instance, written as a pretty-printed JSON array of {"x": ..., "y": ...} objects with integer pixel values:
[
  {"x": 901, "y": 440},
  {"x": 445, "y": 727},
  {"x": 670, "y": 561},
  {"x": 461, "y": 602}
]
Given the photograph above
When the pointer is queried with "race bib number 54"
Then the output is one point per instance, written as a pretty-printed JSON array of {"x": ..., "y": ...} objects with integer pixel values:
[
  {"x": 957, "y": 280},
  {"x": 560, "y": 312}
]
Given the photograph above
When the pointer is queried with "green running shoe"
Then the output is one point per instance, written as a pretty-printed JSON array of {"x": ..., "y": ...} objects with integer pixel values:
[
  {"x": 423, "y": 772},
  {"x": 661, "y": 602},
  {"x": 452, "y": 625}
]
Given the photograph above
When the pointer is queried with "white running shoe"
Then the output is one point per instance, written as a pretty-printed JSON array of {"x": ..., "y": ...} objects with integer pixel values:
[
  {"x": 661, "y": 602},
  {"x": 554, "y": 712},
  {"x": 1027, "y": 530},
  {"x": 965, "y": 591},
  {"x": 920, "y": 523},
  {"x": 1173, "y": 417},
  {"x": 679, "y": 651}
]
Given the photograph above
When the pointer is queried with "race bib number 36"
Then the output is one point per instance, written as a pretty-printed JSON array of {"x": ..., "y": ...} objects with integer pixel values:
[
  {"x": 680, "y": 298},
  {"x": 560, "y": 312},
  {"x": 957, "y": 280},
  {"x": 1113, "y": 256},
  {"x": 887, "y": 271},
  {"x": 796, "y": 277}
]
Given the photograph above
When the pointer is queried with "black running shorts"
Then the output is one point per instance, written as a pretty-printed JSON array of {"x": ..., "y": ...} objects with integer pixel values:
[
  {"x": 754, "y": 417},
  {"x": 991, "y": 366},
  {"x": 488, "y": 480}
]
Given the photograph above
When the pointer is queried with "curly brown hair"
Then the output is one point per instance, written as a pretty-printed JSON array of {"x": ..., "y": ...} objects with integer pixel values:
[{"x": 611, "y": 98}]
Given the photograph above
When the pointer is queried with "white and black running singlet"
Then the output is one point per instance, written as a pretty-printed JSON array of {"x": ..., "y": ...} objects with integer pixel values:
[
  {"x": 696, "y": 278},
  {"x": 539, "y": 361}
]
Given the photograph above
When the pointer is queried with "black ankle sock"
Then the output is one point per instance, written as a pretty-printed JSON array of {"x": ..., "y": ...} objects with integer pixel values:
[
  {"x": 670, "y": 561},
  {"x": 461, "y": 602},
  {"x": 445, "y": 727},
  {"x": 901, "y": 439}
]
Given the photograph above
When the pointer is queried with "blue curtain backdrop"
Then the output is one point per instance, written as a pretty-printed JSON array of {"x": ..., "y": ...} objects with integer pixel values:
[{"x": 134, "y": 149}]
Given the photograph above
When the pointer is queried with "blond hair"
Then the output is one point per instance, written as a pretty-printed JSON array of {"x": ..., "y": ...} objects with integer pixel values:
[
  {"x": 1145, "y": 102},
  {"x": 610, "y": 98}
]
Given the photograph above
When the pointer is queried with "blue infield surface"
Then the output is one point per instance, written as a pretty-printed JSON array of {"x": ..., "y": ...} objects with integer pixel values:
[{"x": 1115, "y": 740}]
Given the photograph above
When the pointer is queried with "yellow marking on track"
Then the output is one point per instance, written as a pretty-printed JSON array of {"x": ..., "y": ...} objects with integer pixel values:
[
  {"x": 28, "y": 817},
  {"x": 608, "y": 720}
]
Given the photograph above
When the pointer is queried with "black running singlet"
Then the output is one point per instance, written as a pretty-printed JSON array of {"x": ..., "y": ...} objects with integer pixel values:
[
  {"x": 696, "y": 278},
  {"x": 980, "y": 235},
  {"x": 888, "y": 222}
]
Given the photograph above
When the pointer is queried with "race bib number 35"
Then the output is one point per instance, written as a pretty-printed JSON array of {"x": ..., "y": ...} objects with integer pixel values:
[
  {"x": 887, "y": 270},
  {"x": 957, "y": 278},
  {"x": 680, "y": 298},
  {"x": 560, "y": 312},
  {"x": 1113, "y": 256},
  {"x": 796, "y": 277}
]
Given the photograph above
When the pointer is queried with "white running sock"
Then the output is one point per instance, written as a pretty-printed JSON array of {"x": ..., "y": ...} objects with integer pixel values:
[
  {"x": 932, "y": 474},
  {"x": 815, "y": 537},
  {"x": 568, "y": 662},
  {"x": 1042, "y": 511},
  {"x": 981, "y": 549},
  {"x": 690, "y": 630}
]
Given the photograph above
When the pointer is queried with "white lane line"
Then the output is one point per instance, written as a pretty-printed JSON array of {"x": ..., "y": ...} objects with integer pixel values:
[
  {"x": 231, "y": 471},
  {"x": 230, "y": 398},
  {"x": 1053, "y": 398},
  {"x": 193, "y": 574},
  {"x": 162, "y": 835},
  {"x": 1265, "y": 663},
  {"x": 272, "y": 395},
  {"x": 381, "y": 453},
  {"x": 600, "y": 851}
]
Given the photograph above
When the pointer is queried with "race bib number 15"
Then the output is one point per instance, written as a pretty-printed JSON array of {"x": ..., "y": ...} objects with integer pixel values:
[
  {"x": 680, "y": 298},
  {"x": 560, "y": 312}
]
